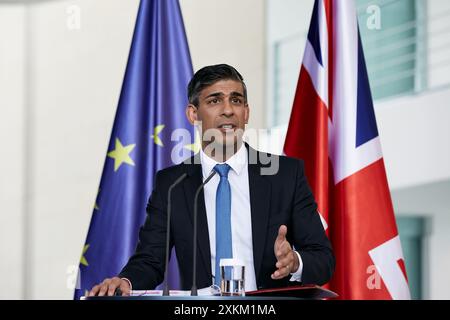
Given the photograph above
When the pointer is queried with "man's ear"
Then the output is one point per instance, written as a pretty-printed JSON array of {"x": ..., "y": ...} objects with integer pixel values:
[
  {"x": 191, "y": 113},
  {"x": 247, "y": 114}
]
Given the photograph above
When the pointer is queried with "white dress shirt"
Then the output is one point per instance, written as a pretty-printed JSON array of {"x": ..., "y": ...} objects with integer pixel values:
[{"x": 241, "y": 220}]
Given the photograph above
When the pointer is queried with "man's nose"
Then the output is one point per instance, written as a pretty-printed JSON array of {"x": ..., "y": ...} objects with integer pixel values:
[{"x": 228, "y": 108}]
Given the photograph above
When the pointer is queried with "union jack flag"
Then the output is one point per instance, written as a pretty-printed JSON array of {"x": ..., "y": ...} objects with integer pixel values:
[{"x": 333, "y": 128}]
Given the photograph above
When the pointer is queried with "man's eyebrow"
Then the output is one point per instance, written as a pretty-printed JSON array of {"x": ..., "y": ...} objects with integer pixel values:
[
  {"x": 236, "y": 94},
  {"x": 214, "y": 94},
  {"x": 220, "y": 94}
]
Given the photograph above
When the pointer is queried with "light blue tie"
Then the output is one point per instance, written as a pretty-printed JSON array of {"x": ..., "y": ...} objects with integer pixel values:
[{"x": 223, "y": 219}]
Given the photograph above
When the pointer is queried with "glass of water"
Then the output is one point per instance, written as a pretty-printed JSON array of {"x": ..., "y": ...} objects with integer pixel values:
[{"x": 232, "y": 273}]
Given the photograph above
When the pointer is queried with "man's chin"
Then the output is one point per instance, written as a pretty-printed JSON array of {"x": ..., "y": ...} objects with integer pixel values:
[
  {"x": 224, "y": 147},
  {"x": 229, "y": 142}
]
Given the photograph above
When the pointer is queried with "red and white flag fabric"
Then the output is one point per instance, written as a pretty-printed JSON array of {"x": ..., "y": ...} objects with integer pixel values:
[{"x": 333, "y": 128}]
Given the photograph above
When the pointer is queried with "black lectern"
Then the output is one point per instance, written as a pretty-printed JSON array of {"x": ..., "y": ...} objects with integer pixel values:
[{"x": 304, "y": 292}]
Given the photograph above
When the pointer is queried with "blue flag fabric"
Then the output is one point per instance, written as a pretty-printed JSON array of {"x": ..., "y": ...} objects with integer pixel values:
[{"x": 151, "y": 106}]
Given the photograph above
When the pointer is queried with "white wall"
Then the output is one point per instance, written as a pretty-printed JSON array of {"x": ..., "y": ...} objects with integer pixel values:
[
  {"x": 76, "y": 80},
  {"x": 12, "y": 135},
  {"x": 287, "y": 29},
  {"x": 231, "y": 32},
  {"x": 415, "y": 135},
  {"x": 72, "y": 85}
]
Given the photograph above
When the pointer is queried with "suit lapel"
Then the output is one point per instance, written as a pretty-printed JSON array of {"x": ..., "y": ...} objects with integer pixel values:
[
  {"x": 190, "y": 187},
  {"x": 260, "y": 190}
]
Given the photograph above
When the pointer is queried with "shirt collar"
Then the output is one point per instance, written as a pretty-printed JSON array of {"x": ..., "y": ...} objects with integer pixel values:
[{"x": 237, "y": 162}]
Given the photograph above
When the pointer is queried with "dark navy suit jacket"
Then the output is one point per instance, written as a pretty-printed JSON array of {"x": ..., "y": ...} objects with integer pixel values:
[{"x": 281, "y": 198}]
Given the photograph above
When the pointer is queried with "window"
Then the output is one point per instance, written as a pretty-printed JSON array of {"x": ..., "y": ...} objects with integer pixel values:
[
  {"x": 396, "y": 53},
  {"x": 389, "y": 32},
  {"x": 413, "y": 233}
]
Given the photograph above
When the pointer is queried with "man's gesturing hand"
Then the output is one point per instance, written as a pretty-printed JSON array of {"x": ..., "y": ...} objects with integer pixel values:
[
  {"x": 287, "y": 259},
  {"x": 109, "y": 286}
]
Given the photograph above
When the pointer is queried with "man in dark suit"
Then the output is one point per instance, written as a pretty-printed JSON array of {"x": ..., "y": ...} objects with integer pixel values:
[{"x": 258, "y": 207}]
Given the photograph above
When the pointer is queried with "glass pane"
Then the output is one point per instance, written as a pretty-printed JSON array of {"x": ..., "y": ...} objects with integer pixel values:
[
  {"x": 412, "y": 232},
  {"x": 390, "y": 50}
]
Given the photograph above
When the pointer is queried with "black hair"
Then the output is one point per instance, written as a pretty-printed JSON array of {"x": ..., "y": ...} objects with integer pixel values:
[{"x": 208, "y": 76}]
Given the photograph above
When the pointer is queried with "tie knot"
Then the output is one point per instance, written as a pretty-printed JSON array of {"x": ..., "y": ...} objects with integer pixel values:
[{"x": 222, "y": 170}]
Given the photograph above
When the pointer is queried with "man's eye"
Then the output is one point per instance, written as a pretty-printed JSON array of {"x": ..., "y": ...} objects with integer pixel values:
[
  {"x": 237, "y": 100},
  {"x": 214, "y": 101}
]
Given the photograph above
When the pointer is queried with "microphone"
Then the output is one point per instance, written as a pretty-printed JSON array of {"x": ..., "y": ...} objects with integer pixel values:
[
  {"x": 169, "y": 212},
  {"x": 194, "y": 262}
]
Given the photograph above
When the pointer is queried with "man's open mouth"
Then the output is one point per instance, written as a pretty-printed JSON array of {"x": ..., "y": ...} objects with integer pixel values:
[{"x": 227, "y": 127}]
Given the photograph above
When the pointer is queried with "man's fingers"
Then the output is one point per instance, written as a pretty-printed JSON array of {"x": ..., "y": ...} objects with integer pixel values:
[
  {"x": 283, "y": 250},
  {"x": 108, "y": 287},
  {"x": 281, "y": 253},
  {"x": 280, "y": 273},
  {"x": 288, "y": 260},
  {"x": 282, "y": 231},
  {"x": 103, "y": 289},
  {"x": 113, "y": 285},
  {"x": 94, "y": 290},
  {"x": 280, "y": 240},
  {"x": 125, "y": 288},
  {"x": 276, "y": 275},
  {"x": 285, "y": 263}
]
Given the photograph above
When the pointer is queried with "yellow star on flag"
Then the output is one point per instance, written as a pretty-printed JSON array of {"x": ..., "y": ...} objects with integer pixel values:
[
  {"x": 194, "y": 147},
  {"x": 155, "y": 135},
  {"x": 121, "y": 154},
  {"x": 83, "y": 260}
]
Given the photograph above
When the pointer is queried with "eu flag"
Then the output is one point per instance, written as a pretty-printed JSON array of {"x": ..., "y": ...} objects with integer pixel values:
[{"x": 151, "y": 107}]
